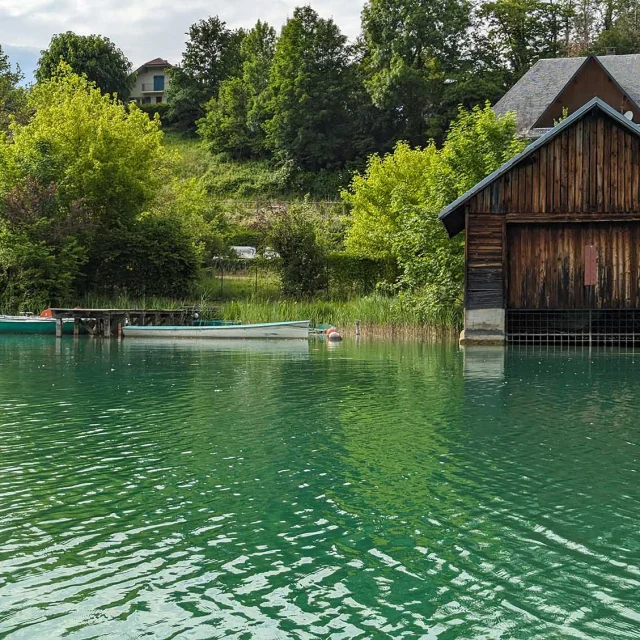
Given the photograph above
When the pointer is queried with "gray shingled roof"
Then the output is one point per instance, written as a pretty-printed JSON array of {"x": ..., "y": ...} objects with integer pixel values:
[
  {"x": 452, "y": 216},
  {"x": 540, "y": 86}
]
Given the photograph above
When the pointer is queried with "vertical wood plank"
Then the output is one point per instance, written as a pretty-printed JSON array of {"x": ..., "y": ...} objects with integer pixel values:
[
  {"x": 586, "y": 161},
  {"x": 593, "y": 163},
  {"x": 600, "y": 163},
  {"x": 578, "y": 168},
  {"x": 528, "y": 200},
  {"x": 557, "y": 173},
  {"x": 635, "y": 162},
  {"x": 614, "y": 169},
  {"x": 606, "y": 170},
  {"x": 628, "y": 172},
  {"x": 542, "y": 155},
  {"x": 571, "y": 176},
  {"x": 535, "y": 186},
  {"x": 564, "y": 170}
]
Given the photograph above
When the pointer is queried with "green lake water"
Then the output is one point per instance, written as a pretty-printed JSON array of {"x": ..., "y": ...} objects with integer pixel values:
[{"x": 153, "y": 490}]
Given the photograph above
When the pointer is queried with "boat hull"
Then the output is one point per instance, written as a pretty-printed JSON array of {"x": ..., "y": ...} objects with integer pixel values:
[
  {"x": 33, "y": 324},
  {"x": 275, "y": 330}
]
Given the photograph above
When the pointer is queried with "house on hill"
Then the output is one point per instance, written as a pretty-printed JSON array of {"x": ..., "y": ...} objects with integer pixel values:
[
  {"x": 152, "y": 82},
  {"x": 539, "y": 97},
  {"x": 552, "y": 251}
]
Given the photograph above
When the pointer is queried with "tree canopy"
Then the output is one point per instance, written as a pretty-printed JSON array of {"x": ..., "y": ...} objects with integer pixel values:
[
  {"x": 308, "y": 95},
  {"x": 93, "y": 56},
  {"x": 212, "y": 54}
]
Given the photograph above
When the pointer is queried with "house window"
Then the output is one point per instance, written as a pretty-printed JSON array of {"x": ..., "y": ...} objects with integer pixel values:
[
  {"x": 158, "y": 99},
  {"x": 158, "y": 83},
  {"x": 146, "y": 100}
]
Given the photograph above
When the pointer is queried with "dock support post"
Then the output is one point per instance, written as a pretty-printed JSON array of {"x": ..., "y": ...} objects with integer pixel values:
[
  {"x": 357, "y": 328},
  {"x": 76, "y": 327},
  {"x": 58, "y": 327},
  {"x": 107, "y": 326},
  {"x": 119, "y": 330}
]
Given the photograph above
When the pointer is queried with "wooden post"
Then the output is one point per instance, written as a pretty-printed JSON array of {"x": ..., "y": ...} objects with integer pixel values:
[
  {"x": 120, "y": 330},
  {"x": 107, "y": 326},
  {"x": 58, "y": 327},
  {"x": 357, "y": 328},
  {"x": 76, "y": 327}
]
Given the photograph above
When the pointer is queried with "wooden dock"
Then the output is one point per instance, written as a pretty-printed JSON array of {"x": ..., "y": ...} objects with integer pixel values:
[{"x": 108, "y": 323}]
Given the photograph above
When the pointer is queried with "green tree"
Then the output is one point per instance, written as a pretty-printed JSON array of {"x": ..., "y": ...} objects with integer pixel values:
[
  {"x": 211, "y": 56},
  {"x": 309, "y": 94},
  {"x": 621, "y": 28},
  {"x": 412, "y": 48},
  {"x": 395, "y": 203},
  {"x": 94, "y": 56},
  {"x": 233, "y": 120},
  {"x": 13, "y": 98},
  {"x": 225, "y": 125},
  {"x": 518, "y": 32}
]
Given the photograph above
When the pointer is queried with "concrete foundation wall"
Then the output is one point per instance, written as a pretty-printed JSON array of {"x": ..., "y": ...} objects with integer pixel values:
[{"x": 483, "y": 326}]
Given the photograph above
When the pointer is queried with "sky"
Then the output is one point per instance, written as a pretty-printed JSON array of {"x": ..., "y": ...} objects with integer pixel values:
[{"x": 145, "y": 29}]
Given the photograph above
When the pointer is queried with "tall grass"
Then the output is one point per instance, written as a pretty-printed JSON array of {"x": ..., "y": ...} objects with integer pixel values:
[{"x": 378, "y": 315}]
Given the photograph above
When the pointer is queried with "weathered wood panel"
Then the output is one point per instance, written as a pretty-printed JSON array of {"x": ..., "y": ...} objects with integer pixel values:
[
  {"x": 546, "y": 266},
  {"x": 591, "y": 81},
  {"x": 594, "y": 166},
  {"x": 485, "y": 261}
]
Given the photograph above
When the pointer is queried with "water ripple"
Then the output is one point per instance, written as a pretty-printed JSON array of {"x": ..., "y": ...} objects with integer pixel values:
[{"x": 403, "y": 491}]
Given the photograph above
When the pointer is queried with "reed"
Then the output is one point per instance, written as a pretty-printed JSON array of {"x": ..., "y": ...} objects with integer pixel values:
[{"x": 379, "y": 316}]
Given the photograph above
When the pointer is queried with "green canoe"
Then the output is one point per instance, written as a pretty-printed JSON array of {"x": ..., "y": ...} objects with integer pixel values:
[{"x": 33, "y": 324}]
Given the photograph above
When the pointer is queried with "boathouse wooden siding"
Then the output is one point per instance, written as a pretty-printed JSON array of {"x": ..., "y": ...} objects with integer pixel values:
[{"x": 527, "y": 230}]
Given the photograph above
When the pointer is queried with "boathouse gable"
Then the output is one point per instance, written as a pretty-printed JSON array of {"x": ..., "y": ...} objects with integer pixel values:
[{"x": 529, "y": 224}]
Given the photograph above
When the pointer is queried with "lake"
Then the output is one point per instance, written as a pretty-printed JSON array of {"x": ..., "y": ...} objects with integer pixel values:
[{"x": 374, "y": 490}]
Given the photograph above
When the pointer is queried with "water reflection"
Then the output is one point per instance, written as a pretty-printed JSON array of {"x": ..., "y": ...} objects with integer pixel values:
[{"x": 365, "y": 490}]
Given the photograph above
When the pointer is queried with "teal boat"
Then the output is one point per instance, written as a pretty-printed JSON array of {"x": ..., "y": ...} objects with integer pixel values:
[{"x": 33, "y": 324}]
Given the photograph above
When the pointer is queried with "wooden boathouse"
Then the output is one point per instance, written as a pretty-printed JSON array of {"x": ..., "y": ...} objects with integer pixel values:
[{"x": 552, "y": 249}]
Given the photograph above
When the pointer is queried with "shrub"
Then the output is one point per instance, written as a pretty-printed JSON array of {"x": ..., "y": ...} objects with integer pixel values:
[
  {"x": 162, "y": 109},
  {"x": 302, "y": 256},
  {"x": 155, "y": 257},
  {"x": 351, "y": 276}
]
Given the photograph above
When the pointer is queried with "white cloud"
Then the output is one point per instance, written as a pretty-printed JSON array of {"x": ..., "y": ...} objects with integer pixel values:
[{"x": 146, "y": 29}]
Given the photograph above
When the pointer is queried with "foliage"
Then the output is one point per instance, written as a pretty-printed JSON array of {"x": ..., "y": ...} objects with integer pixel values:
[
  {"x": 90, "y": 145},
  {"x": 233, "y": 121},
  {"x": 161, "y": 108},
  {"x": 40, "y": 256},
  {"x": 94, "y": 56},
  {"x": 224, "y": 126},
  {"x": 309, "y": 93},
  {"x": 302, "y": 256},
  {"x": 412, "y": 48},
  {"x": 395, "y": 203},
  {"x": 13, "y": 98},
  {"x": 350, "y": 275},
  {"x": 87, "y": 198},
  {"x": 522, "y": 31},
  {"x": 155, "y": 257},
  {"x": 212, "y": 55}
]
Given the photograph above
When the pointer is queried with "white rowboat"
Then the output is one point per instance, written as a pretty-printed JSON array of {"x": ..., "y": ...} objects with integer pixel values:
[{"x": 278, "y": 330}]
